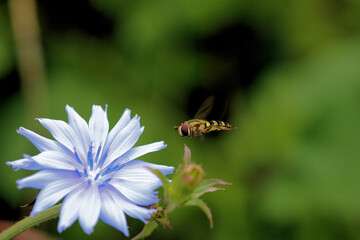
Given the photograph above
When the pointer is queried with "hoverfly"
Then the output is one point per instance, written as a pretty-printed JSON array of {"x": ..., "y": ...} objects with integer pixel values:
[{"x": 199, "y": 126}]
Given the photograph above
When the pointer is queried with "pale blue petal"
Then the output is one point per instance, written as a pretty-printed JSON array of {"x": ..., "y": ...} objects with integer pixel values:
[
  {"x": 70, "y": 209},
  {"x": 129, "y": 207},
  {"x": 89, "y": 211},
  {"x": 80, "y": 127},
  {"x": 139, "y": 174},
  {"x": 137, "y": 192},
  {"x": 111, "y": 214},
  {"x": 125, "y": 140},
  {"x": 135, "y": 211},
  {"x": 123, "y": 121},
  {"x": 98, "y": 126},
  {"x": 56, "y": 160},
  {"x": 136, "y": 152},
  {"x": 137, "y": 171},
  {"x": 63, "y": 133},
  {"x": 138, "y": 165},
  {"x": 44, "y": 177},
  {"x": 40, "y": 142},
  {"x": 138, "y": 183},
  {"x": 53, "y": 193},
  {"x": 26, "y": 163}
]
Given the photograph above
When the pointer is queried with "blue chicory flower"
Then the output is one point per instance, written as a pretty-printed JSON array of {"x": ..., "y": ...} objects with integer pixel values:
[{"x": 94, "y": 170}]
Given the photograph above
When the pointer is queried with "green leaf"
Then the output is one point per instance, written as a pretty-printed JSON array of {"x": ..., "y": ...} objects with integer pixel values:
[
  {"x": 147, "y": 230},
  {"x": 202, "y": 205},
  {"x": 185, "y": 161},
  {"x": 207, "y": 186}
]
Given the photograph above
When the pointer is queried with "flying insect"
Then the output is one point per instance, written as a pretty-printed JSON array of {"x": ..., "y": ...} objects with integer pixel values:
[{"x": 198, "y": 125}]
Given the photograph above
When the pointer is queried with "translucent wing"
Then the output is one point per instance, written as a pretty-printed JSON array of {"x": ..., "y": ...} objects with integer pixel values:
[{"x": 205, "y": 108}]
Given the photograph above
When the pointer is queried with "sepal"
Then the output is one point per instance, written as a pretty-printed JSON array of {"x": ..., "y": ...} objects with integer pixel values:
[
  {"x": 207, "y": 185},
  {"x": 196, "y": 202},
  {"x": 185, "y": 189}
]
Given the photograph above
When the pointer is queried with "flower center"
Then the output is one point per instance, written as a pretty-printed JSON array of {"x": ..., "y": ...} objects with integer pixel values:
[{"x": 93, "y": 169}]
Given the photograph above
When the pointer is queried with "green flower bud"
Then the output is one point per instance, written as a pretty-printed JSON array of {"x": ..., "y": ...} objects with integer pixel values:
[
  {"x": 183, "y": 186},
  {"x": 191, "y": 176}
]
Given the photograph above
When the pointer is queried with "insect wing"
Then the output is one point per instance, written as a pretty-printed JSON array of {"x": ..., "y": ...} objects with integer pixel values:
[{"x": 205, "y": 108}]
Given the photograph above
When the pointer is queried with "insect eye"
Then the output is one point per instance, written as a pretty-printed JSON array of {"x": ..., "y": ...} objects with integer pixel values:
[{"x": 184, "y": 129}]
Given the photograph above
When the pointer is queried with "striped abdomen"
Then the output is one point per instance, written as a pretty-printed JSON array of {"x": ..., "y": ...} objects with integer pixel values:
[
  {"x": 196, "y": 127},
  {"x": 217, "y": 123}
]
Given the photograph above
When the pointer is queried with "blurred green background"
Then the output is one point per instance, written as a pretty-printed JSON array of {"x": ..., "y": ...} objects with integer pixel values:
[{"x": 285, "y": 73}]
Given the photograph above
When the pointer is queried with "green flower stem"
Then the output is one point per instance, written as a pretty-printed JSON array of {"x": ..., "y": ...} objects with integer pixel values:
[{"x": 29, "y": 222}]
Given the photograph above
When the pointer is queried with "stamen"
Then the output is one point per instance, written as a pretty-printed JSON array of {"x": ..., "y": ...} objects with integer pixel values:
[
  {"x": 97, "y": 176},
  {"x": 113, "y": 169},
  {"x": 101, "y": 163},
  {"x": 104, "y": 183},
  {"x": 106, "y": 171},
  {"x": 89, "y": 181},
  {"x": 78, "y": 173},
  {"x": 85, "y": 172},
  {"x": 109, "y": 168},
  {"x": 120, "y": 166},
  {"x": 98, "y": 153},
  {"x": 90, "y": 158},
  {"x": 77, "y": 157}
]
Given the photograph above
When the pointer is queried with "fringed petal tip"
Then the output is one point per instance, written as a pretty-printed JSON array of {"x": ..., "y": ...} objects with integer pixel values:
[
  {"x": 99, "y": 107},
  {"x": 19, "y": 182},
  {"x": 166, "y": 170},
  {"x": 25, "y": 163},
  {"x": 127, "y": 112},
  {"x": 11, "y": 164},
  {"x": 20, "y": 130},
  {"x": 25, "y": 132},
  {"x": 148, "y": 217},
  {"x": 160, "y": 145}
]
